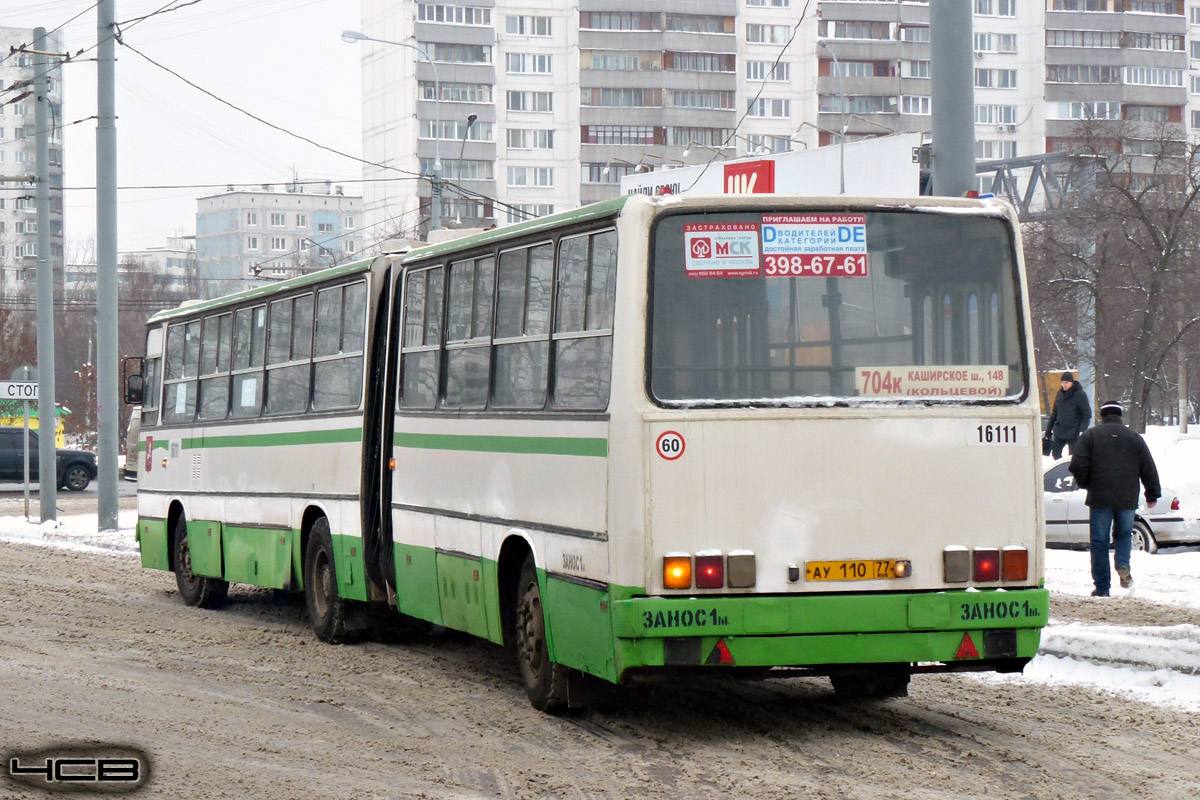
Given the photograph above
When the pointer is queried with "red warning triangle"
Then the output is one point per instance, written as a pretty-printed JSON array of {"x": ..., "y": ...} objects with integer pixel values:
[
  {"x": 720, "y": 654},
  {"x": 966, "y": 648}
]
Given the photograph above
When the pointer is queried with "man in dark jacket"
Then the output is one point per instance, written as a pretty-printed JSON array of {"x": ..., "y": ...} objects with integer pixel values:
[
  {"x": 1108, "y": 461},
  {"x": 1070, "y": 417}
]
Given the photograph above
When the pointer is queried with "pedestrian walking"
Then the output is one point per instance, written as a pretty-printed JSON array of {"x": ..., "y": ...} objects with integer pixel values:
[
  {"x": 1109, "y": 460},
  {"x": 1070, "y": 417}
]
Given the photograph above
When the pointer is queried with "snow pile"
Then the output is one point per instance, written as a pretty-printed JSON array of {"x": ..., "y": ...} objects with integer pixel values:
[
  {"x": 74, "y": 532},
  {"x": 1171, "y": 577}
]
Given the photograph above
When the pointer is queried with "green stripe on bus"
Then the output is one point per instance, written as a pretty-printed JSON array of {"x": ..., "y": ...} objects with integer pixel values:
[
  {"x": 275, "y": 439},
  {"x": 539, "y": 445}
]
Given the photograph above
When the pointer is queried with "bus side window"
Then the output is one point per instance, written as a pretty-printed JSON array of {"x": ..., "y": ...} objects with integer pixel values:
[
  {"x": 214, "y": 367},
  {"x": 587, "y": 270},
  {"x": 289, "y": 355},
  {"x": 183, "y": 357},
  {"x": 420, "y": 358},
  {"x": 249, "y": 332},
  {"x": 522, "y": 338},
  {"x": 338, "y": 347},
  {"x": 468, "y": 333}
]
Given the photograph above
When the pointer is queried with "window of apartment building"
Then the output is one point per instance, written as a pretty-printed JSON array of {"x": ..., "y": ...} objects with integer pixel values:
[
  {"x": 1153, "y": 76},
  {"x": 1195, "y": 84},
  {"x": 856, "y": 104},
  {"x": 614, "y": 61},
  {"x": 1168, "y": 42},
  {"x": 768, "y": 71},
  {"x": 324, "y": 227},
  {"x": 459, "y": 53},
  {"x": 529, "y": 101},
  {"x": 989, "y": 150},
  {"x": 1082, "y": 73},
  {"x": 348, "y": 223},
  {"x": 1196, "y": 49},
  {"x": 251, "y": 242},
  {"x": 618, "y": 21},
  {"x": 453, "y": 15},
  {"x": 1094, "y": 109},
  {"x": 996, "y": 42},
  {"x": 519, "y": 212},
  {"x": 914, "y": 69},
  {"x": 530, "y": 139},
  {"x": 709, "y": 137},
  {"x": 609, "y": 172},
  {"x": 852, "y": 69},
  {"x": 699, "y": 23},
  {"x": 251, "y": 219},
  {"x": 627, "y": 98},
  {"x": 687, "y": 98},
  {"x": 349, "y": 245},
  {"x": 301, "y": 220},
  {"x": 278, "y": 244},
  {"x": 914, "y": 104},
  {"x": 531, "y": 176},
  {"x": 996, "y": 8},
  {"x": 536, "y": 63},
  {"x": 1148, "y": 113},
  {"x": 995, "y": 79},
  {"x": 768, "y": 34},
  {"x": 914, "y": 33},
  {"x": 770, "y": 3},
  {"x": 701, "y": 62},
  {"x": 756, "y": 142},
  {"x": 851, "y": 29},
  {"x": 620, "y": 134},
  {"x": 1196, "y": 119},
  {"x": 456, "y": 130},
  {"x": 21, "y": 157},
  {"x": 769, "y": 107},
  {"x": 278, "y": 219},
  {"x": 457, "y": 92},
  {"x": 523, "y": 25},
  {"x": 1194, "y": 15},
  {"x": 21, "y": 109},
  {"x": 460, "y": 169},
  {"x": 1167, "y": 7},
  {"x": 1083, "y": 38},
  {"x": 1081, "y": 5},
  {"x": 995, "y": 115}
]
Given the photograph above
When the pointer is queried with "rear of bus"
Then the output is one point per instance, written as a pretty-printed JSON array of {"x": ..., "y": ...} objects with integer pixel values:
[{"x": 830, "y": 463}]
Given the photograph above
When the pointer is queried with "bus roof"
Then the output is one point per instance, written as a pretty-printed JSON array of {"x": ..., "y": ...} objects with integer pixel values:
[{"x": 263, "y": 291}]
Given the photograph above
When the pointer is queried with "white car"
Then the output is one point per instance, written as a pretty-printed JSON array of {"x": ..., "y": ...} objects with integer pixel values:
[{"x": 1067, "y": 515}]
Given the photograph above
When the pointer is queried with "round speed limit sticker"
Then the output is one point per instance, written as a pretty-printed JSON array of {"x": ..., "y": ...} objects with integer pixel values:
[{"x": 670, "y": 445}]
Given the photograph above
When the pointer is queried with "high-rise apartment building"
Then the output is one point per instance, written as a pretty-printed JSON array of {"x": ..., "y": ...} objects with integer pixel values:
[
  {"x": 18, "y": 167},
  {"x": 535, "y": 107},
  {"x": 243, "y": 236}
]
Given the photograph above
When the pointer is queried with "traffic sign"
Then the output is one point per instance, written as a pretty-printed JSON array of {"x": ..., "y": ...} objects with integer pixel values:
[{"x": 18, "y": 390}]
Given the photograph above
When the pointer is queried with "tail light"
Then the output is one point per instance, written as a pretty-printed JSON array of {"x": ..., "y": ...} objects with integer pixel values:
[
  {"x": 956, "y": 564},
  {"x": 710, "y": 570},
  {"x": 986, "y": 563},
  {"x": 1014, "y": 563},
  {"x": 677, "y": 571},
  {"x": 1174, "y": 503}
]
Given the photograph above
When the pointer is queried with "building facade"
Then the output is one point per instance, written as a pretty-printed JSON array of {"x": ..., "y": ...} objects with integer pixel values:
[
  {"x": 168, "y": 272},
  {"x": 18, "y": 168},
  {"x": 245, "y": 236},
  {"x": 533, "y": 107}
]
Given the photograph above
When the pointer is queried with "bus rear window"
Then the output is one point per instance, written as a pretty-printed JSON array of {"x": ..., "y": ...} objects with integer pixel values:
[{"x": 797, "y": 306}]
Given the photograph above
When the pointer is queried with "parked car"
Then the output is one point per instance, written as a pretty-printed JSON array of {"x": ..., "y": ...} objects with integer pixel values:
[
  {"x": 132, "y": 434},
  {"x": 76, "y": 468},
  {"x": 1168, "y": 523}
]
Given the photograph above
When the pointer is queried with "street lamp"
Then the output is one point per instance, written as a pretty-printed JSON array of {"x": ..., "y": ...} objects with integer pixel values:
[
  {"x": 462, "y": 149},
  {"x": 435, "y": 200},
  {"x": 841, "y": 91}
]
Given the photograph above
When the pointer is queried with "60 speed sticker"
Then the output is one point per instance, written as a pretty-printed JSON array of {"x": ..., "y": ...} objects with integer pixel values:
[{"x": 670, "y": 445}]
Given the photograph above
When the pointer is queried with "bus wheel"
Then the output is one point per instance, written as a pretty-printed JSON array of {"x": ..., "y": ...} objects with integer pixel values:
[
  {"x": 865, "y": 682},
  {"x": 545, "y": 681},
  {"x": 326, "y": 608},
  {"x": 196, "y": 590}
]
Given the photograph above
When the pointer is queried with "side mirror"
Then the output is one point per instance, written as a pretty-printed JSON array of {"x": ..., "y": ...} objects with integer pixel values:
[{"x": 134, "y": 387}]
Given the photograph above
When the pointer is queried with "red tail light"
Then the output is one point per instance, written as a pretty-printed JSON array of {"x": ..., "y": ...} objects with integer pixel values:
[
  {"x": 710, "y": 571},
  {"x": 986, "y": 564},
  {"x": 1175, "y": 504}
]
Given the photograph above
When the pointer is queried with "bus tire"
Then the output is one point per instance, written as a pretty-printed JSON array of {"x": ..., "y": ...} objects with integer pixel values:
[
  {"x": 871, "y": 682},
  {"x": 195, "y": 590},
  {"x": 326, "y": 608},
  {"x": 545, "y": 682}
]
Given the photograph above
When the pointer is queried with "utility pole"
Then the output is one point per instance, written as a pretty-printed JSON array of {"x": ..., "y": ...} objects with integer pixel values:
[
  {"x": 952, "y": 84},
  {"x": 47, "y": 410},
  {"x": 107, "y": 394}
]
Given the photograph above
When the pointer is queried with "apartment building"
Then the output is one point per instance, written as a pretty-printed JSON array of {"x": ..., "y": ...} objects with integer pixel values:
[
  {"x": 18, "y": 166},
  {"x": 533, "y": 107},
  {"x": 244, "y": 236}
]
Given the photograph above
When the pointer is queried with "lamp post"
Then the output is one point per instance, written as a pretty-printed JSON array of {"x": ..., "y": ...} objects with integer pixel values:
[
  {"x": 462, "y": 148},
  {"x": 435, "y": 191},
  {"x": 842, "y": 92}
]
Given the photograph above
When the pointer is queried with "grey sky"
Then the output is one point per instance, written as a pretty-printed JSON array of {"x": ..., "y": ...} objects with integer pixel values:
[{"x": 282, "y": 60}]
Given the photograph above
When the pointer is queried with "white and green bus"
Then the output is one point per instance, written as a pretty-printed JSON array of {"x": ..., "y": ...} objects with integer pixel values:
[{"x": 794, "y": 435}]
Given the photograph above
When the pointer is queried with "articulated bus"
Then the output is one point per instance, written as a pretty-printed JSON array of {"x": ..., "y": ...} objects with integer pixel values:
[{"x": 761, "y": 434}]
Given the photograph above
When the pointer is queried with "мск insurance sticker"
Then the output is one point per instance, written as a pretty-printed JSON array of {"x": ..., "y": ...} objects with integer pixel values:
[
  {"x": 721, "y": 249},
  {"x": 814, "y": 245}
]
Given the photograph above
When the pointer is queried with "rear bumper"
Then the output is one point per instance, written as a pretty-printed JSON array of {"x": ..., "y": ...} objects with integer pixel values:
[{"x": 953, "y": 628}]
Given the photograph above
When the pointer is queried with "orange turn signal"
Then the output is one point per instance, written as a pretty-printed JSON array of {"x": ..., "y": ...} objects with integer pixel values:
[
  {"x": 677, "y": 571},
  {"x": 1014, "y": 563}
]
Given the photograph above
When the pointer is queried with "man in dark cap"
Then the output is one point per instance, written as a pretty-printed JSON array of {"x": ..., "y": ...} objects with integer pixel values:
[
  {"x": 1070, "y": 417},
  {"x": 1108, "y": 461}
]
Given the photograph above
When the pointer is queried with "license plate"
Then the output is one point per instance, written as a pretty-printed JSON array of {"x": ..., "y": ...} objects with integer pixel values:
[{"x": 864, "y": 570}]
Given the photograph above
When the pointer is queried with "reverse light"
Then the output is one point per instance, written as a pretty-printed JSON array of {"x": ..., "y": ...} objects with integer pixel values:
[
  {"x": 710, "y": 570},
  {"x": 956, "y": 564},
  {"x": 1014, "y": 563},
  {"x": 986, "y": 564},
  {"x": 741, "y": 570},
  {"x": 677, "y": 571}
]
